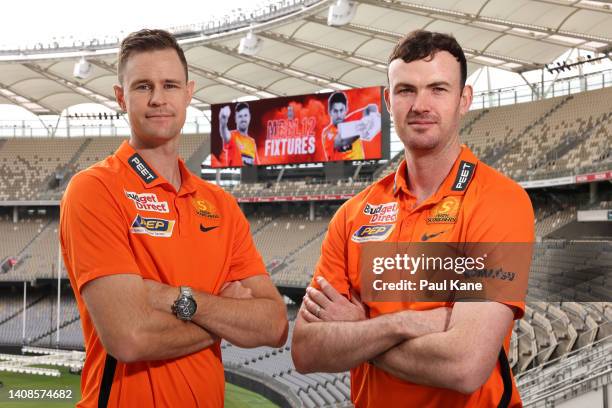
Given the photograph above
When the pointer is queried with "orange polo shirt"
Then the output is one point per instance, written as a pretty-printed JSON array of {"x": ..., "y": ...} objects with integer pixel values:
[
  {"x": 240, "y": 151},
  {"x": 354, "y": 153},
  {"x": 474, "y": 203},
  {"x": 121, "y": 216}
]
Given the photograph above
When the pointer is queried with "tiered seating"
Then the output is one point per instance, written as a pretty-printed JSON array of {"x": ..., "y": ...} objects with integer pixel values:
[
  {"x": 97, "y": 149},
  {"x": 41, "y": 256},
  {"x": 314, "y": 390},
  {"x": 578, "y": 126},
  {"x": 286, "y": 234},
  {"x": 564, "y": 378},
  {"x": 41, "y": 317},
  {"x": 299, "y": 270},
  {"x": 500, "y": 126},
  {"x": 27, "y": 165}
]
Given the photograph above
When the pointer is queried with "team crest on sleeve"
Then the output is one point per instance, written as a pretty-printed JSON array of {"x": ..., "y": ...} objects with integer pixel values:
[
  {"x": 381, "y": 213},
  {"x": 155, "y": 227},
  {"x": 375, "y": 232},
  {"x": 445, "y": 212}
]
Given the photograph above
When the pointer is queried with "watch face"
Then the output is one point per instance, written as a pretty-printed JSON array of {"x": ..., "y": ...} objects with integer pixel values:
[{"x": 185, "y": 308}]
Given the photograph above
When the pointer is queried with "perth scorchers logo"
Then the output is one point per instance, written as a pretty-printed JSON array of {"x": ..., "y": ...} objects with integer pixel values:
[
  {"x": 205, "y": 208},
  {"x": 445, "y": 212}
]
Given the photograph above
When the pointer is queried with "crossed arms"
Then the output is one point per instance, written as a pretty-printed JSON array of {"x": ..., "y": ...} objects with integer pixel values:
[
  {"x": 134, "y": 321},
  {"x": 450, "y": 348}
]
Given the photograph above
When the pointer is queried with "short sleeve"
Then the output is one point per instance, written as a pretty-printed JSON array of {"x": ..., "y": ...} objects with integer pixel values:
[
  {"x": 93, "y": 232},
  {"x": 246, "y": 260},
  {"x": 332, "y": 263},
  {"x": 504, "y": 216}
]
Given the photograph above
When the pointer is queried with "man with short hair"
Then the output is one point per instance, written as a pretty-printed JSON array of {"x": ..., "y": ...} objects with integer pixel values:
[
  {"x": 335, "y": 146},
  {"x": 161, "y": 262},
  {"x": 239, "y": 149},
  {"x": 415, "y": 354}
]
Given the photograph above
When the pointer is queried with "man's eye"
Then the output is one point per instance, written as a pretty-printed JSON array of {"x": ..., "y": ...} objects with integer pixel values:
[
  {"x": 168, "y": 86},
  {"x": 404, "y": 90},
  {"x": 439, "y": 89},
  {"x": 144, "y": 87}
]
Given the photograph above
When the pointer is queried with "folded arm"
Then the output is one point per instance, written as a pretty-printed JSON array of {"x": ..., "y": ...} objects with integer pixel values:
[
  {"x": 259, "y": 319},
  {"x": 332, "y": 333},
  {"x": 461, "y": 358},
  {"x": 130, "y": 329}
]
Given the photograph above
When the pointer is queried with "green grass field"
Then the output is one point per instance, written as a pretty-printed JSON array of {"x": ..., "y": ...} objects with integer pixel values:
[{"x": 235, "y": 397}]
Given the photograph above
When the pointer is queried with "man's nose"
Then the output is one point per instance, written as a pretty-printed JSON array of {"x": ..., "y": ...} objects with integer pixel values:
[
  {"x": 421, "y": 102},
  {"x": 157, "y": 97}
]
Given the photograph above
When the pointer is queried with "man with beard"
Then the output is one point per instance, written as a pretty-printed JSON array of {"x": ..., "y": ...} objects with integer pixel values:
[
  {"x": 418, "y": 354},
  {"x": 239, "y": 149}
]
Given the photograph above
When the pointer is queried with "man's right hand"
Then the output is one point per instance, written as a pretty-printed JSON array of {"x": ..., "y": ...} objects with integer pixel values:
[
  {"x": 235, "y": 290},
  {"x": 328, "y": 305},
  {"x": 224, "y": 114}
]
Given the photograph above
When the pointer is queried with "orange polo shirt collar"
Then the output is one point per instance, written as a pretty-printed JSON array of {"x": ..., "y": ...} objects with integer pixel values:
[
  {"x": 455, "y": 183},
  {"x": 147, "y": 174}
]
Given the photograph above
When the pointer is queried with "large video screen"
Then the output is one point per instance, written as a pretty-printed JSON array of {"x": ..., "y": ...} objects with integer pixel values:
[{"x": 332, "y": 126}]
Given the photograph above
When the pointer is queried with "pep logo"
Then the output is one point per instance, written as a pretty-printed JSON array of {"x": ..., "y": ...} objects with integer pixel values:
[
  {"x": 155, "y": 227},
  {"x": 372, "y": 233}
]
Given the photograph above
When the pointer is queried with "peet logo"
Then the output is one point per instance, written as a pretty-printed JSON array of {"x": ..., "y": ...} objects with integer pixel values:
[
  {"x": 464, "y": 175},
  {"x": 381, "y": 213},
  {"x": 155, "y": 227},
  {"x": 445, "y": 212},
  {"x": 205, "y": 208},
  {"x": 147, "y": 202},
  {"x": 378, "y": 232},
  {"x": 138, "y": 164}
]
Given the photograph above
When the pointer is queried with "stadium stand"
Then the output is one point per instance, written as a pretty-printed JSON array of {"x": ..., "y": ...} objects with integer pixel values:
[{"x": 31, "y": 173}]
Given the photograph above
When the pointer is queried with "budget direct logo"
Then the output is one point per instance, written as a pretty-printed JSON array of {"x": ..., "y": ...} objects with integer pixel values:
[
  {"x": 381, "y": 213},
  {"x": 155, "y": 227},
  {"x": 147, "y": 202},
  {"x": 378, "y": 232}
]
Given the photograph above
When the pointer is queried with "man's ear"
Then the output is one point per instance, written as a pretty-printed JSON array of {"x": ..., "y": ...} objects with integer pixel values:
[
  {"x": 387, "y": 100},
  {"x": 467, "y": 94},
  {"x": 190, "y": 89},
  {"x": 120, "y": 96}
]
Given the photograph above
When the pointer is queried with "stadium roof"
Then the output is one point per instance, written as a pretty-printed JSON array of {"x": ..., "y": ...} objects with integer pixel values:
[{"x": 300, "y": 53}]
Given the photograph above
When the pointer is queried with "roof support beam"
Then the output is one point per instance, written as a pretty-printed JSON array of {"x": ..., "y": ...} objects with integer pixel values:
[
  {"x": 72, "y": 86},
  {"x": 392, "y": 36},
  {"x": 313, "y": 78},
  {"x": 16, "y": 94}
]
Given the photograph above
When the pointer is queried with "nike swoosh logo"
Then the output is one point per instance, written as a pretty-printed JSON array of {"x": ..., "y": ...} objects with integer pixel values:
[
  {"x": 425, "y": 237},
  {"x": 206, "y": 229}
]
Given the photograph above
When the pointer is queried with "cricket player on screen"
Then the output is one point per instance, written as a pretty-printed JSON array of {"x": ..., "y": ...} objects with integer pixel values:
[
  {"x": 342, "y": 139},
  {"x": 239, "y": 149}
]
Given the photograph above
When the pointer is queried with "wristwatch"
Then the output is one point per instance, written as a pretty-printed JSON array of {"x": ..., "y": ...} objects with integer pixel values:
[{"x": 185, "y": 306}]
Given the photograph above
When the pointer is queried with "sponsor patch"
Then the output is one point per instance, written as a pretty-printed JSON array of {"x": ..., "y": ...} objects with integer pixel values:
[
  {"x": 381, "y": 213},
  {"x": 141, "y": 168},
  {"x": 464, "y": 175},
  {"x": 205, "y": 208},
  {"x": 147, "y": 202},
  {"x": 155, "y": 227},
  {"x": 445, "y": 212},
  {"x": 377, "y": 232}
]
